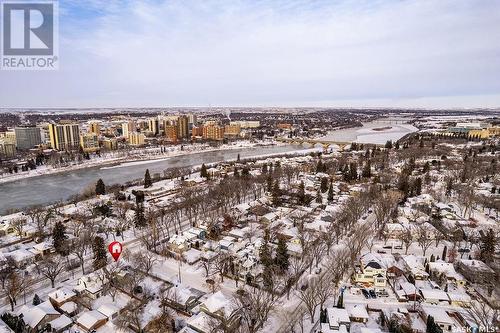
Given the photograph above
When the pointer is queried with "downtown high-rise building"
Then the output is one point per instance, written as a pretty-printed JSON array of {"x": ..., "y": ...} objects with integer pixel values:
[
  {"x": 95, "y": 127},
  {"x": 182, "y": 127},
  {"x": 64, "y": 136},
  {"x": 27, "y": 137},
  {"x": 154, "y": 126},
  {"x": 128, "y": 128}
]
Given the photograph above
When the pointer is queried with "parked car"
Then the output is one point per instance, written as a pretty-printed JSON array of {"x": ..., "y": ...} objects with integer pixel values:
[
  {"x": 382, "y": 293},
  {"x": 365, "y": 293},
  {"x": 372, "y": 293}
]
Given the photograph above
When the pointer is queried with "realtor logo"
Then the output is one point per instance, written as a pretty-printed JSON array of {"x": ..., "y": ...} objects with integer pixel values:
[{"x": 29, "y": 35}]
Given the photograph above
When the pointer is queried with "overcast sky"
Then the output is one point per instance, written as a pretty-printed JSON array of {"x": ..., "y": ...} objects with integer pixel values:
[{"x": 113, "y": 53}]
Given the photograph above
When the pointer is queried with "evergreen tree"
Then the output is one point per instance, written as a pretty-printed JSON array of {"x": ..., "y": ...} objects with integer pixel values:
[
  {"x": 388, "y": 144},
  {"x": 340, "y": 302},
  {"x": 267, "y": 277},
  {"x": 264, "y": 168},
  {"x": 265, "y": 251},
  {"x": 353, "y": 171},
  {"x": 269, "y": 182},
  {"x": 59, "y": 238},
  {"x": 203, "y": 171},
  {"x": 140, "y": 220},
  {"x": 319, "y": 166},
  {"x": 99, "y": 250},
  {"x": 319, "y": 198},
  {"x": 238, "y": 158},
  {"x": 330, "y": 193},
  {"x": 417, "y": 186},
  {"x": 445, "y": 251},
  {"x": 382, "y": 319},
  {"x": 276, "y": 193},
  {"x": 323, "y": 317},
  {"x": 432, "y": 327},
  {"x": 403, "y": 185},
  {"x": 433, "y": 259},
  {"x": 302, "y": 193},
  {"x": 487, "y": 247},
  {"x": 324, "y": 184},
  {"x": 245, "y": 172},
  {"x": 282, "y": 257},
  {"x": 235, "y": 172},
  {"x": 100, "y": 188},
  {"x": 147, "y": 179},
  {"x": 36, "y": 300},
  {"x": 427, "y": 167},
  {"x": 367, "y": 170},
  {"x": 449, "y": 186}
]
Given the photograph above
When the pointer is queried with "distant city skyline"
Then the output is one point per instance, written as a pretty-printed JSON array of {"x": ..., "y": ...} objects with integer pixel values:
[{"x": 416, "y": 54}]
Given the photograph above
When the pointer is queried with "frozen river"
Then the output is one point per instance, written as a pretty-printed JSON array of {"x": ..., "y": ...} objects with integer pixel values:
[
  {"x": 377, "y": 132},
  {"x": 43, "y": 190}
]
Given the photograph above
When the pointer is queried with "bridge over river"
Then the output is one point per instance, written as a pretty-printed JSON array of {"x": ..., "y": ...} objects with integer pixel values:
[{"x": 326, "y": 143}]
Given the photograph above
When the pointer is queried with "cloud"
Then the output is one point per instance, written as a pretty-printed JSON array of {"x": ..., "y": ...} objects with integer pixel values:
[{"x": 168, "y": 53}]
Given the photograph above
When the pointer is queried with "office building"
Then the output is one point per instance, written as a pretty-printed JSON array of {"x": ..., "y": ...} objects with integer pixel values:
[
  {"x": 154, "y": 126},
  {"x": 232, "y": 130},
  {"x": 136, "y": 139},
  {"x": 8, "y": 137},
  {"x": 213, "y": 132},
  {"x": 89, "y": 142},
  {"x": 7, "y": 148},
  {"x": 128, "y": 128},
  {"x": 171, "y": 133},
  {"x": 197, "y": 132},
  {"x": 193, "y": 119},
  {"x": 64, "y": 136},
  {"x": 109, "y": 144},
  {"x": 95, "y": 127},
  {"x": 27, "y": 137},
  {"x": 182, "y": 127},
  {"x": 247, "y": 123}
]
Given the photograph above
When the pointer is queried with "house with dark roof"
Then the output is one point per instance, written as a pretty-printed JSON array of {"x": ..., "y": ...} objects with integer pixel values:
[{"x": 371, "y": 271}]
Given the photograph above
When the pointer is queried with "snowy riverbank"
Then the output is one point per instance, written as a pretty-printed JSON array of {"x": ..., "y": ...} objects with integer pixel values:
[{"x": 140, "y": 156}]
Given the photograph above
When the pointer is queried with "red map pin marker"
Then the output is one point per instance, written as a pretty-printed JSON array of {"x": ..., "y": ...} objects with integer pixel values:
[{"x": 115, "y": 249}]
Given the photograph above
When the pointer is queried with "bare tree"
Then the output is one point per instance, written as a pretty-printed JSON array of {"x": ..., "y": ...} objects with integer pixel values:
[
  {"x": 143, "y": 261},
  {"x": 317, "y": 249},
  {"x": 161, "y": 323},
  {"x": 424, "y": 238},
  {"x": 111, "y": 274},
  {"x": 50, "y": 268},
  {"x": 226, "y": 322},
  {"x": 309, "y": 297},
  {"x": 207, "y": 266},
  {"x": 131, "y": 317},
  {"x": 79, "y": 248},
  {"x": 483, "y": 315},
  {"x": 384, "y": 205},
  {"x": 15, "y": 285},
  {"x": 221, "y": 263},
  {"x": 18, "y": 225},
  {"x": 325, "y": 289},
  {"x": 406, "y": 237},
  {"x": 255, "y": 307},
  {"x": 40, "y": 216}
]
